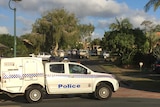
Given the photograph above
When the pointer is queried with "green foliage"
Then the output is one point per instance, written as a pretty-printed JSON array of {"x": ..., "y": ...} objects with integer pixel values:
[
  {"x": 140, "y": 40},
  {"x": 121, "y": 25},
  {"x": 124, "y": 45},
  {"x": 34, "y": 42},
  {"x": 152, "y": 34},
  {"x": 85, "y": 34},
  {"x": 57, "y": 29},
  {"x": 156, "y": 52},
  {"x": 96, "y": 41},
  {"x": 65, "y": 27},
  {"x": 124, "y": 40},
  {"x": 21, "y": 49},
  {"x": 150, "y": 3},
  {"x": 8, "y": 41}
]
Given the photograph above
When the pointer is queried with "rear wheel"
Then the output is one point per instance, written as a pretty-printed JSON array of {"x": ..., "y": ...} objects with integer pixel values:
[
  {"x": 103, "y": 91},
  {"x": 34, "y": 94}
]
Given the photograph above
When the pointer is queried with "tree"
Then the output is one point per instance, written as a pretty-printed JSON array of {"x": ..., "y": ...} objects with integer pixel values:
[
  {"x": 154, "y": 3},
  {"x": 96, "y": 41},
  {"x": 151, "y": 34},
  {"x": 121, "y": 25},
  {"x": 156, "y": 44},
  {"x": 8, "y": 41},
  {"x": 124, "y": 44},
  {"x": 85, "y": 34},
  {"x": 59, "y": 28},
  {"x": 156, "y": 52},
  {"x": 124, "y": 41},
  {"x": 33, "y": 41}
]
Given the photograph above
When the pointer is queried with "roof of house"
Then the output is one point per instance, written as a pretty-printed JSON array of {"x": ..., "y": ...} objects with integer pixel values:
[{"x": 3, "y": 46}]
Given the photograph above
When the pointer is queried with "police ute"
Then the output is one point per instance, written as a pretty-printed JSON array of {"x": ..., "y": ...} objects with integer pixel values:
[{"x": 30, "y": 77}]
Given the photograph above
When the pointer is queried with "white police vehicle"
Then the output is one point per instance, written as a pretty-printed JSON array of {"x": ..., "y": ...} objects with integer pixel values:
[{"x": 30, "y": 77}]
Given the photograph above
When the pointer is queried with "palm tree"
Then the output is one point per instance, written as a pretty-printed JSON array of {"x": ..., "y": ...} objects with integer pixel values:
[
  {"x": 154, "y": 3},
  {"x": 151, "y": 32},
  {"x": 121, "y": 25}
]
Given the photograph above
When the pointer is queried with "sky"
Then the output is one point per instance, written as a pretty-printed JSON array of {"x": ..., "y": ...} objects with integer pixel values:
[{"x": 100, "y": 13}]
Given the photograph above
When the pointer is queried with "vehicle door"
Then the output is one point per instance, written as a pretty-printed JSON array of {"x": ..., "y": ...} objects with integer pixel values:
[
  {"x": 80, "y": 81},
  {"x": 56, "y": 78},
  {"x": 30, "y": 70}
]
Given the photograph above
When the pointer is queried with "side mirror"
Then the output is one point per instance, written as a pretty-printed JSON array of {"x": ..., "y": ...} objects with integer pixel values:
[{"x": 88, "y": 72}]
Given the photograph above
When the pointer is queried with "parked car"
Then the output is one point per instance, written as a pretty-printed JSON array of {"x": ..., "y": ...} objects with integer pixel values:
[
  {"x": 44, "y": 55},
  {"x": 61, "y": 53},
  {"x": 106, "y": 55},
  {"x": 93, "y": 52},
  {"x": 82, "y": 53},
  {"x": 74, "y": 52},
  {"x": 54, "y": 59},
  {"x": 156, "y": 66},
  {"x": 32, "y": 55}
]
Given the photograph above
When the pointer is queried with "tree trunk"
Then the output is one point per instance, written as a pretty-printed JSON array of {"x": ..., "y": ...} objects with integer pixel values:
[{"x": 55, "y": 49}]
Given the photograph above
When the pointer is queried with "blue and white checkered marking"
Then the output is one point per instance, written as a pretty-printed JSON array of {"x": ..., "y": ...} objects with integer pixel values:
[{"x": 12, "y": 76}]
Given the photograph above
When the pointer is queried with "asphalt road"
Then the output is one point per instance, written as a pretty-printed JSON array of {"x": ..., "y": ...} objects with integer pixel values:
[{"x": 82, "y": 102}]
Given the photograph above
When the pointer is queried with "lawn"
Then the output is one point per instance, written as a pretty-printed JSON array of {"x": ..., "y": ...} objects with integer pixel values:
[
  {"x": 133, "y": 78},
  {"x": 136, "y": 79}
]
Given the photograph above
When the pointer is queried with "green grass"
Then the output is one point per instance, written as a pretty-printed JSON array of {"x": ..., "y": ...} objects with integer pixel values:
[{"x": 140, "y": 80}]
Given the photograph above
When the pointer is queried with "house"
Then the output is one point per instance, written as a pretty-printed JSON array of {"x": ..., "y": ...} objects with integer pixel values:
[{"x": 2, "y": 47}]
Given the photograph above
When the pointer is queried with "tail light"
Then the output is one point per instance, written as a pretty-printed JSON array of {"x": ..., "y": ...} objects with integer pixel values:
[{"x": 158, "y": 65}]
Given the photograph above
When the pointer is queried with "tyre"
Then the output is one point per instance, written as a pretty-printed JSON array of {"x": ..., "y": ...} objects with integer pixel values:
[
  {"x": 34, "y": 94},
  {"x": 87, "y": 57},
  {"x": 103, "y": 91}
]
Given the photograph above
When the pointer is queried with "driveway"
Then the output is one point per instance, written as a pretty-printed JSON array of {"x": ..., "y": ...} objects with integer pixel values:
[{"x": 132, "y": 93}]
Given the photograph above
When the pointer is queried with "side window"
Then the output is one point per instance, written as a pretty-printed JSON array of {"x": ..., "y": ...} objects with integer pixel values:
[
  {"x": 57, "y": 68},
  {"x": 76, "y": 69}
]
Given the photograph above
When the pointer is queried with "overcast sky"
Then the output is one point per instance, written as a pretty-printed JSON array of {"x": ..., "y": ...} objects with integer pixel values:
[{"x": 100, "y": 13}]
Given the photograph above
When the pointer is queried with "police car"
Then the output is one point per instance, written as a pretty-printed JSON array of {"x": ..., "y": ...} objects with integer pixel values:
[{"x": 33, "y": 78}]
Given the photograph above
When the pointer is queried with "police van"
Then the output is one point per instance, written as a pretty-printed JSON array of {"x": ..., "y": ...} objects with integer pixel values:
[{"x": 32, "y": 78}]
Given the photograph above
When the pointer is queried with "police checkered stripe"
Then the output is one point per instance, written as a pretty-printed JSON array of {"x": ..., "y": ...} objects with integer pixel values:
[
  {"x": 11, "y": 76},
  {"x": 79, "y": 76},
  {"x": 92, "y": 76},
  {"x": 32, "y": 75}
]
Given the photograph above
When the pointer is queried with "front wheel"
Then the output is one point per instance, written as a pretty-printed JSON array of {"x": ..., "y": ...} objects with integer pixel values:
[
  {"x": 103, "y": 91},
  {"x": 34, "y": 94}
]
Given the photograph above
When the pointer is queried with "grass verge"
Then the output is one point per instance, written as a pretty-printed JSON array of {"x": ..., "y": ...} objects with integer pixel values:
[{"x": 135, "y": 79}]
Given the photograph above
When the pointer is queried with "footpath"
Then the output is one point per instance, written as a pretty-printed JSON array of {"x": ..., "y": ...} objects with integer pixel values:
[
  {"x": 129, "y": 91},
  {"x": 132, "y": 93}
]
